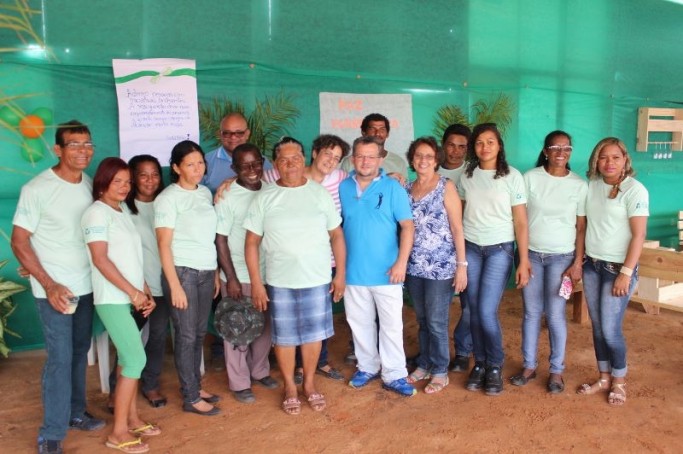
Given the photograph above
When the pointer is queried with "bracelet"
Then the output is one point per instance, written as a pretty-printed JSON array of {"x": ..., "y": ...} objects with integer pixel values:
[
  {"x": 626, "y": 270},
  {"x": 461, "y": 263},
  {"x": 134, "y": 299}
]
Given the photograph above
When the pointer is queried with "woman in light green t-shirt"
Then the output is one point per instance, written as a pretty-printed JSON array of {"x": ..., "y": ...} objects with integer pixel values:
[
  {"x": 115, "y": 252},
  {"x": 494, "y": 217},
  {"x": 617, "y": 210},
  {"x": 557, "y": 226},
  {"x": 185, "y": 223}
]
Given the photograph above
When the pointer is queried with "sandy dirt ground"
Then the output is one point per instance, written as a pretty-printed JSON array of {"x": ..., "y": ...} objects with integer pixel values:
[{"x": 526, "y": 419}]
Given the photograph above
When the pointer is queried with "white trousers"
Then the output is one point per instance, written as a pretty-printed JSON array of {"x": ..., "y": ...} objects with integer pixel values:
[{"x": 362, "y": 304}]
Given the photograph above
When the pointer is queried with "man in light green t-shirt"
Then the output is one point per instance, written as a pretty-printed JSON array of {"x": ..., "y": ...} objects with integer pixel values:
[
  {"x": 48, "y": 242},
  {"x": 243, "y": 364}
]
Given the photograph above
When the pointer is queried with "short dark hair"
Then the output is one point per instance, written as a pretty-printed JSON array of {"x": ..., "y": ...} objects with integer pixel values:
[
  {"x": 72, "y": 126},
  {"x": 133, "y": 164},
  {"x": 456, "y": 129},
  {"x": 542, "y": 158},
  {"x": 502, "y": 167},
  {"x": 326, "y": 141},
  {"x": 431, "y": 143},
  {"x": 243, "y": 149},
  {"x": 104, "y": 175},
  {"x": 283, "y": 141},
  {"x": 179, "y": 152},
  {"x": 374, "y": 117},
  {"x": 366, "y": 140}
]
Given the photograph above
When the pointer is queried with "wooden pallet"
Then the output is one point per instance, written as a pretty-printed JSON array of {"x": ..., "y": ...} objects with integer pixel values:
[{"x": 661, "y": 280}]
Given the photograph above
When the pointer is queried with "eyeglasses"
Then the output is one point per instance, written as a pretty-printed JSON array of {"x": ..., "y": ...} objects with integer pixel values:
[
  {"x": 79, "y": 146},
  {"x": 254, "y": 165},
  {"x": 558, "y": 148},
  {"x": 365, "y": 158},
  {"x": 236, "y": 134}
]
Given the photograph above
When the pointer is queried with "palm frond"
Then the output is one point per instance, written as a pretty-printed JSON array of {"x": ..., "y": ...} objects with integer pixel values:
[
  {"x": 271, "y": 118},
  {"x": 448, "y": 115},
  {"x": 210, "y": 117},
  {"x": 498, "y": 111}
]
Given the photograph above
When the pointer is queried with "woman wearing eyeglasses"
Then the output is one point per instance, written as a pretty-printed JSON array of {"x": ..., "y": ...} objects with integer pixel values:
[{"x": 557, "y": 228}]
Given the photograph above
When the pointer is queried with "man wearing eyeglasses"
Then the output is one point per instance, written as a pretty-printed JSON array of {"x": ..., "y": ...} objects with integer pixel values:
[
  {"x": 47, "y": 241},
  {"x": 234, "y": 132},
  {"x": 373, "y": 207}
]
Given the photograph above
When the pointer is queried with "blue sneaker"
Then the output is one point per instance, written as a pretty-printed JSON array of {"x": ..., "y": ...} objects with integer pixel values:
[
  {"x": 400, "y": 386},
  {"x": 361, "y": 379}
]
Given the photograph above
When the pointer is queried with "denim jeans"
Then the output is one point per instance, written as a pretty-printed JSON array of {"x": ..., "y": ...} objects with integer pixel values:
[
  {"x": 431, "y": 301},
  {"x": 542, "y": 295},
  {"x": 67, "y": 341},
  {"x": 190, "y": 326},
  {"x": 462, "y": 335},
  {"x": 156, "y": 345},
  {"x": 607, "y": 314},
  {"x": 487, "y": 275}
]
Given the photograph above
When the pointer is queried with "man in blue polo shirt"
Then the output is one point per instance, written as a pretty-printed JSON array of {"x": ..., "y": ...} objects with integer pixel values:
[
  {"x": 234, "y": 131},
  {"x": 373, "y": 207}
]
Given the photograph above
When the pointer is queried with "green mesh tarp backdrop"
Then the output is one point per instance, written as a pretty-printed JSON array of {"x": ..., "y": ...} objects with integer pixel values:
[{"x": 584, "y": 66}]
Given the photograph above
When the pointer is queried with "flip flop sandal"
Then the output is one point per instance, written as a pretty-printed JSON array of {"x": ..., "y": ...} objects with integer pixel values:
[
  {"x": 317, "y": 402},
  {"x": 148, "y": 430},
  {"x": 292, "y": 406},
  {"x": 131, "y": 447},
  {"x": 587, "y": 389}
]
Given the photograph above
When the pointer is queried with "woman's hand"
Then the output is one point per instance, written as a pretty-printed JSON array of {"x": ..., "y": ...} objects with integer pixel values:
[
  {"x": 179, "y": 298},
  {"x": 575, "y": 272},
  {"x": 259, "y": 297},
  {"x": 147, "y": 306},
  {"x": 337, "y": 288},
  {"x": 460, "y": 280},
  {"x": 523, "y": 274},
  {"x": 621, "y": 285}
]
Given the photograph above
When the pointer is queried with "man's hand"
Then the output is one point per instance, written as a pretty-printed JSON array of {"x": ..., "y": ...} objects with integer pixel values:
[{"x": 58, "y": 297}]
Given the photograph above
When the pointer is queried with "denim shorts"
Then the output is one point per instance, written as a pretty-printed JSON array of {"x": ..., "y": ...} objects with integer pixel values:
[{"x": 300, "y": 316}]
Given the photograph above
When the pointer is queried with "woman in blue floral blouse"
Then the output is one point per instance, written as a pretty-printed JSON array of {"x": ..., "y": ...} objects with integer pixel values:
[{"x": 437, "y": 263}]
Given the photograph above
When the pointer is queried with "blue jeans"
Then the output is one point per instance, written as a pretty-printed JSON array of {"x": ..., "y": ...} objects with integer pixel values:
[
  {"x": 156, "y": 345},
  {"x": 541, "y": 295},
  {"x": 190, "y": 326},
  {"x": 431, "y": 301},
  {"x": 487, "y": 275},
  {"x": 67, "y": 341},
  {"x": 462, "y": 335},
  {"x": 607, "y": 314}
]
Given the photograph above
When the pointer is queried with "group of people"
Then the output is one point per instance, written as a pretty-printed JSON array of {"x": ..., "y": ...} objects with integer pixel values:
[{"x": 293, "y": 238}]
